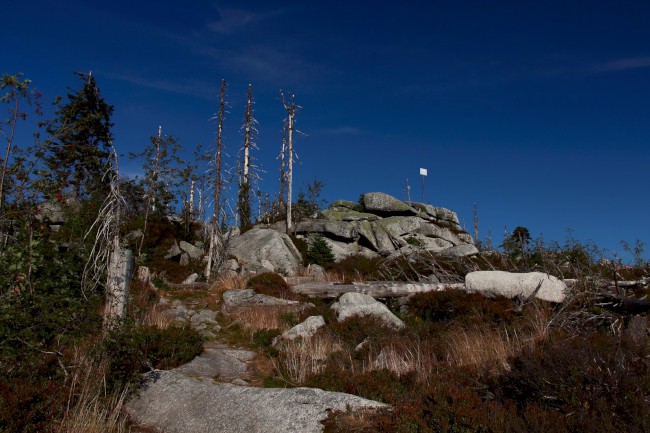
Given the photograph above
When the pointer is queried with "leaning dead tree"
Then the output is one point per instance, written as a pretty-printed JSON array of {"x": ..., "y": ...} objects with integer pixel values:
[
  {"x": 108, "y": 264},
  {"x": 289, "y": 125},
  {"x": 215, "y": 255}
]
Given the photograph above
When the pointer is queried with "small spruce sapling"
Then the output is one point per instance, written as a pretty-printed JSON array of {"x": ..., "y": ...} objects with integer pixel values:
[{"x": 319, "y": 252}]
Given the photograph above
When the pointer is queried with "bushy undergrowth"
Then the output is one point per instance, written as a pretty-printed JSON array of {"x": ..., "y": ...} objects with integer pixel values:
[
  {"x": 161, "y": 234},
  {"x": 39, "y": 327},
  {"x": 267, "y": 280},
  {"x": 462, "y": 307},
  {"x": 42, "y": 332},
  {"x": 137, "y": 350},
  {"x": 597, "y": 381},
  {"x": 466, "y": 363},
  {"x": 273, "y": 284},
  {"x": 356, "y": 267}
]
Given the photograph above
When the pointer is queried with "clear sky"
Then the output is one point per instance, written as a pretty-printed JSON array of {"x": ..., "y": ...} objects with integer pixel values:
[{"x": 538, "y": 111}]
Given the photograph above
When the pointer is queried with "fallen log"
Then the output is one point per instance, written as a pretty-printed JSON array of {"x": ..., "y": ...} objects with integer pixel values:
[
  {"x": 629, "y": 284},
  {"x": 609, "y": 284},
  {"x": 625, "y": 306},
  {"x": 376, "y": 290},
  {"x": 399, "y": 289}
]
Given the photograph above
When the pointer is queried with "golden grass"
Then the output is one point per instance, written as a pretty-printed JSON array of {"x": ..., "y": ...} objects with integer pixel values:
[
  {"x": 303, "y": 357},
  {"x": 491, "y": 348},
  {"x": 256, "y": 318},
  {"x": 158, "y": 317},
  {"x": 89, "y": 409},
  {"x": 404, "y": 356},
  {"x": 223, "y": 283}
]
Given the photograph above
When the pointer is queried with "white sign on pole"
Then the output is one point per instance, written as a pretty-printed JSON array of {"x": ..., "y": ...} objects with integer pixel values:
[{"x": 423, "y": 171}]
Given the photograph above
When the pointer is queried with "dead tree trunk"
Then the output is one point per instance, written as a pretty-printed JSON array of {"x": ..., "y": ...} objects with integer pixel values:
[
  {"x": 151, "y": 188},
  {"x": 477, "y": 240},
  {"x": 291, "y": 108},
  {"x": 283, "y": 163},
  {"x": 214, "y": 258},
  {"x": 246, "y": 170},
  {"x": 120, "y": 270}
]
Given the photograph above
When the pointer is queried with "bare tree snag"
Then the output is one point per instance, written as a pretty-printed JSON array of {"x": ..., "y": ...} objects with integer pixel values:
[
  {"x": 191, "y": 200},
  {"x": 151, "y": 187},
  {"x": 214, "y": 259},
  {"x": 247, "y": 172},
  {"x": 120, "y": 270},
  {"x": 292, "y": 109},
  {"x": 283, "y": 163},
  {"x": 107, "y": 258},
  {"x": 477, "y": 240}
]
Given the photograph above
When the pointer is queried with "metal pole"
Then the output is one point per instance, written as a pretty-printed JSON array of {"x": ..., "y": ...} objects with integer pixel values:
[
  {"x": 423, "y": 173},
  {"x": 422, "y": 188},
  {"x": 408, "y": 189}
]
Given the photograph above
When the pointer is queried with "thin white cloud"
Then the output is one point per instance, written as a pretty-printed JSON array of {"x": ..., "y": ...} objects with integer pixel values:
[
  {"x": 233, "y": 20},
  {"x": 265, "y": 64},
  {"x": 623, "y": 64},
  {"x": 189, "y": 88}
]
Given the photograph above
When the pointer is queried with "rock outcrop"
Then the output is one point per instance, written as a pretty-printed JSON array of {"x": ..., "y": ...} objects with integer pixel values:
[
  {"x": 174, "y": 403},
  {"x": 266, "y": 248},
  {"x": 380, "y": 203},
  {"x": 378, "y": 225},
  {"x": 511, "y": 285},
  {"x": 359, "y": 304},
  {"x": 384, "y": 225},
  {"x": 305, "y": 329},
  {"x": 193, "y": 251}
]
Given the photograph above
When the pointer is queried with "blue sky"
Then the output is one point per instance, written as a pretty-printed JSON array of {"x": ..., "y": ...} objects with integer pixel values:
[{"x": 536, "y": 110}]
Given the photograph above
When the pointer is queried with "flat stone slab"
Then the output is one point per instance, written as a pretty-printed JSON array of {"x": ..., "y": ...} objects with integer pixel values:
[
  {"x": 175, "y": 403},
  {"x": 219, "y": 362}
]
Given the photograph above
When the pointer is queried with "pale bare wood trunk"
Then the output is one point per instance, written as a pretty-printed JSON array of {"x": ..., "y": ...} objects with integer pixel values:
[
  {"x": 120, "y": 269},
  {"x": 376, "y": 290},
  {"x": 214, "y": 247},
  {"x": 290, "y": 175},
  {"x": 291, "y": 108}
]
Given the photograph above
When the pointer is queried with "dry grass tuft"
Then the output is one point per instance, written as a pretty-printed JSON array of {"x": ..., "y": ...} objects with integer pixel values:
[
  {"x": 492, "y": 348},
  {"x": 89, "y": 409},
  {"x": 158, "y": 317},
  {"x": 302, "y": 358},
  {"x": 405, "y": 356},
  {"x": 224, "y": 283},
  {"x": 257, "y": 318},
  {"x": 334, "y": 277},
  {"x": 483, "y": 348}
]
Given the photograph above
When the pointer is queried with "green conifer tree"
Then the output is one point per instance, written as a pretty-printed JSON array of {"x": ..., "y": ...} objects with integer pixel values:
[
  {"x": 319, "y": 252},
  {"x": 78, "y": 156}
]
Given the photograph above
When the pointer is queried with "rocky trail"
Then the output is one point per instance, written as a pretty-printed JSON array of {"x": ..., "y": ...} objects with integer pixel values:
[{"x": 219, "y": 391}]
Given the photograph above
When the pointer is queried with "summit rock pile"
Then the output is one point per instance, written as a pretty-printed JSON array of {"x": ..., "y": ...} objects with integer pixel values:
[{"x": 383, "y": 225}]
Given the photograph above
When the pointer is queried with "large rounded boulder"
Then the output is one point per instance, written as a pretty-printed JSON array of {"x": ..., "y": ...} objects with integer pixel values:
[{"x": 270, "y": 249}]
